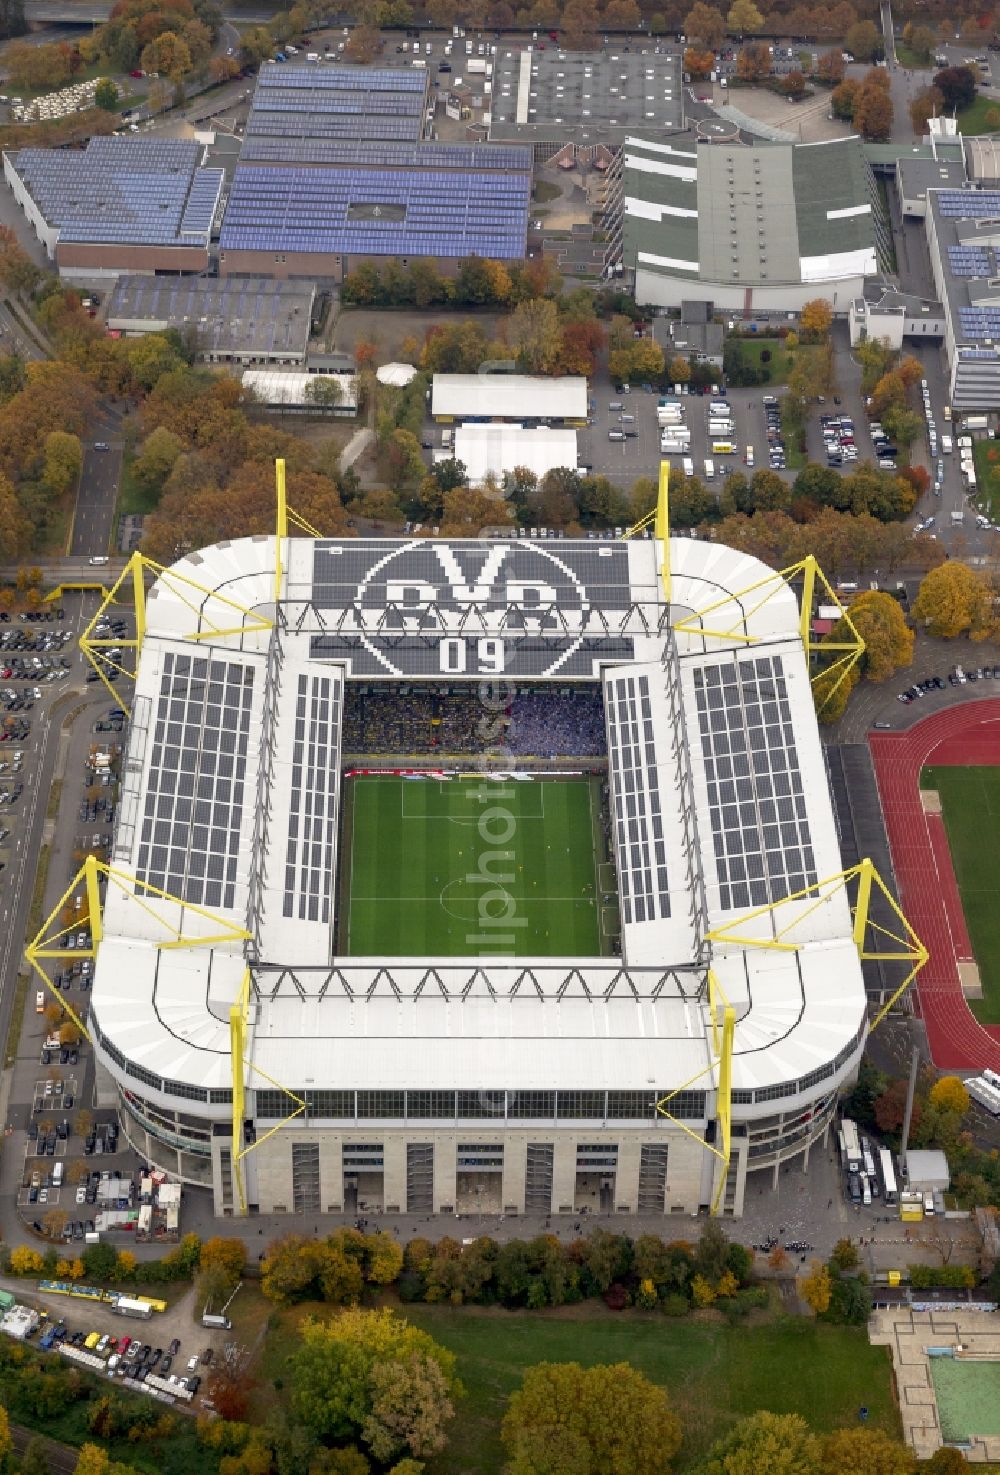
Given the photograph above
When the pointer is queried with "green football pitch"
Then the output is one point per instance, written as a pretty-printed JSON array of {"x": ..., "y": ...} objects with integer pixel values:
[
  {"x": 465, "y": 867},
  {"x": 970, "y": 803}
]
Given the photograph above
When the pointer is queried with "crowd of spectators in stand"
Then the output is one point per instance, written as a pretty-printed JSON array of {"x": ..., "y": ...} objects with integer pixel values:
[{"x": 539, "y": 722}]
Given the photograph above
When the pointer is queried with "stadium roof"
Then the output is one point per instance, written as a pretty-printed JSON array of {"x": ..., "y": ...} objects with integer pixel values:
[
  {"x": 124, "y": 191},
  {"x": 374, "y": 211},
  {"x": 585, "y": 97},
  {"x": 508, "y": 397},
  {"x": 235, "y": 746},
  {"x": 316, "y": 100},
  {"x": 706, "y": 211},
  {"x": 231, "y": 316},
  {"x": 494, "y": 449}
]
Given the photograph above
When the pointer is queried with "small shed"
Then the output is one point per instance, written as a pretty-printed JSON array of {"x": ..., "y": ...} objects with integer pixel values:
[{"x": 927, "y": 1171}]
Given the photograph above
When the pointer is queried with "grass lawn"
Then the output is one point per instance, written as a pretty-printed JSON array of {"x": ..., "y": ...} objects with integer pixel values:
[
  {"x": 715, "y": 1374},
  {"x": 970, "y": 799},
  {"x": 778, "y": 366},
  {"x": 421, "y": 850},
  {"x": 973, "y": 118},
  {"x": 986, "y": 455},
  {"x": 911, "y": 59},
  {"x": 133, "y": 500}
]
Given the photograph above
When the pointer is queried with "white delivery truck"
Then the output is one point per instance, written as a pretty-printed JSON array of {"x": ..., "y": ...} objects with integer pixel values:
[{"x": 709, "y": 470}]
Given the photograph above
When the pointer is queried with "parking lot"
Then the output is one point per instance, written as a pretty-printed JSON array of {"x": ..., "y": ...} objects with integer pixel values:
[{"x": 52, "y": 1095}]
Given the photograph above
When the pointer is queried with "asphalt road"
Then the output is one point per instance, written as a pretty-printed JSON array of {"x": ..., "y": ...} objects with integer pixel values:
[{"x": 93, "y": 526}]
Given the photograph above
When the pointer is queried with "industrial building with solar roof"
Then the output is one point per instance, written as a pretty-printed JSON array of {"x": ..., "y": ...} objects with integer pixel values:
[
  {"x": 766, "y": 227},
  {"x": 120, "y": 204},
  {"x": 963, "y": 238},
  {"x": 705, "y": 1034},
  {"x": 334, "y": 171}
]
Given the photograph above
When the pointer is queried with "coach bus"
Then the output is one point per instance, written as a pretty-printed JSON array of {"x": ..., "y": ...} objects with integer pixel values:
[
  {"x": 888, "y": 1172},
  {"x": 850, "y": 1146}
]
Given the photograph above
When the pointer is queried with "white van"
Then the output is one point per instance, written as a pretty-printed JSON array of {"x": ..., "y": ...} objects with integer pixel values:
[
  {"x": 616, "y": 435},
  {"x": 946, "y": 445},
  {"x": 688, "y": 466},
  {"x": 709, "y": 471},
  {"x": 97, "y": 561},
  {"x": 312, "y": 56},
  {"x": 57, "y": 1174},
  {"x": 928, "y": 1205}
]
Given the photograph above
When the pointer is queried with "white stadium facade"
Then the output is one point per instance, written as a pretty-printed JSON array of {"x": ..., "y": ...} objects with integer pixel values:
[{"x": 433, "y": 1084}]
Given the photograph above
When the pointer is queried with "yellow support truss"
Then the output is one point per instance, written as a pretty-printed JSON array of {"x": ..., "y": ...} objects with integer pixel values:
[
  {"x": 285, "y": 515},
  {"x": 659, "y": 520},
  {"x": 848, "y": 652},
  {"x": 82, "y": 586},
  {"x": 183, "y": 587},
  {"x": 239, "y": 1019},
  {"x": 874, "y": 943},
  {"x": 722, "y": 1016},
  {"x": 50, "y": 942}
]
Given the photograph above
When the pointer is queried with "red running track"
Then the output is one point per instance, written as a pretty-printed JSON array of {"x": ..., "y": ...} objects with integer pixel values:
[{"x": 928, "y": 893}]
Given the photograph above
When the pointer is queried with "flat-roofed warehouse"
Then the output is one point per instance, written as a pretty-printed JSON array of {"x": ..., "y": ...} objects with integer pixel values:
[
  {"x": 313, "y": 101},
  {"x": 119, "y": 205},
  {"x": 493, "y": 450},
  {"x": 768, "y": 227},
  {"x": 311, "y": 219},
  {"x": 523, "y": 397},
  {"x": 244, "y": 320},
  {"x": 551, "y": 98},
  {"x": 963, "y": 238}
]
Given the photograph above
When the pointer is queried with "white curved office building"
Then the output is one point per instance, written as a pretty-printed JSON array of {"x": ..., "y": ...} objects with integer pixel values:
[{"x": 509, "y": 1083}]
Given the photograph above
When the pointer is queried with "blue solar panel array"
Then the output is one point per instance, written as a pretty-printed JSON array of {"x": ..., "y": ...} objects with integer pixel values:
[
  {"x": 387, "y": 154},
  {"x": 123, "y": 191},
  {"x": 960, "y": 204},
  {"x": 451, "y": 214},
  {"x": 340, "y": 78},
  {"x": 980, "y": 322},
  {"x": 972, "y": 261},
  {"x": 199, "y": 212}
]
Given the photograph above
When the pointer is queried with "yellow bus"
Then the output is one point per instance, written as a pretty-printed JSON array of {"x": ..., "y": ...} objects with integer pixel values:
[
  {"x": 723, "y": 448},
  {"x": 150, "y": 1301}
]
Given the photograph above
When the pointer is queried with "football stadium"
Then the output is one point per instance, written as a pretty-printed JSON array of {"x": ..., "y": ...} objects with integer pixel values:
[{"x": 489, "y": 876}]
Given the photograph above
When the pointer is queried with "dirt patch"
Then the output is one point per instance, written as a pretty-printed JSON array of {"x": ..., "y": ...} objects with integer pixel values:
[
  {"x": 930, "y": 801},
  {"x": 388, "y": 328}
]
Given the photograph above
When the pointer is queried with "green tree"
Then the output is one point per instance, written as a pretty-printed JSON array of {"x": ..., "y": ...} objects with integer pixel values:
[
  {"x": 535, "y": 333},
  {"x": 765, "y": 1444},
  {"x": 106, "y": 95},
  {"x": 331, "y": 1371},
  {"x": 156, "y": 459},
  {"x": 874, "y": 355},
  {"x": 957, "y": 85},
  {"x": 325, "y": 391},
  {"x": 601, "y": 1419},
  {"x": 864, "y": 41},
  {"x": 411, "y": 1408},
  {"x": 63, "y": 462},
  {"x": 844, "y": 98},
  {"x": 35, "y": 1460},
  {"x": 845, "y": 1254},
  {"x": 404, "y": 465},
  {"x": 743, "y": 17}
]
